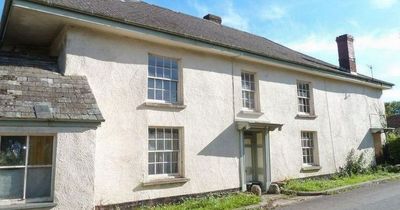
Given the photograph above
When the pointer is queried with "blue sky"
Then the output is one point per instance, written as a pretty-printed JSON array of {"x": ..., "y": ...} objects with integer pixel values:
[{"x": 311, "y": 26}]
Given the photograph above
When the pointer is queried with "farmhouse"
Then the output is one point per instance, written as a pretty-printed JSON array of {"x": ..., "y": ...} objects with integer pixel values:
[{"x": 112, "y": 102}]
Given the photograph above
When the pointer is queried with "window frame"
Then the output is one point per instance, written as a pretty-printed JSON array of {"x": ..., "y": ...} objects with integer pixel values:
[
  {"x": 24, "y": 200},
  {"x": 255, "y": 91},
  {"x": 311, "y": 98},
  {"x": 315, "y": 151},
  {"x": 180, "y": 154},
  {"x": 179, "y": 87}
]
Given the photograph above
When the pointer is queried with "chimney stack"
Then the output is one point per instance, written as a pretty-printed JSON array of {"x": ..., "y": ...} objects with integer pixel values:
[
  {"x": 347, "y": 60},
  {"x": 213, "y": 18}
]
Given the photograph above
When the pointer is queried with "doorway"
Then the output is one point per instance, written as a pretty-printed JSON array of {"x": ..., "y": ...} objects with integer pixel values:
[{"x": 254, "y": 158}]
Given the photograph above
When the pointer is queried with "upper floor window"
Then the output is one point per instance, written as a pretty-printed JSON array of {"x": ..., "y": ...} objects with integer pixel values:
[
  {"x": 162, "y": 79},
  {"x": 26, "y": 168},
  {"x": 164, "y": 150},
  {"x": 308, "y": 147},
  {"x": 248, "y": 90},
  {"x": 304, "y": 97}
]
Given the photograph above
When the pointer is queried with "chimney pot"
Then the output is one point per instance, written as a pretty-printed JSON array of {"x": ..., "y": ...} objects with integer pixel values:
[
  {"x": 213, "y": 18},
  {"x": 347, "y": 60}
]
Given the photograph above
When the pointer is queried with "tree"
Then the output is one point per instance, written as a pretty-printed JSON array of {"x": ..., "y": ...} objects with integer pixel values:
[{"x": 392, "y": 108}]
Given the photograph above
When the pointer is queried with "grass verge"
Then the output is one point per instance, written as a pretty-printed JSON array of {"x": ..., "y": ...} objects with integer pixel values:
[
  {"x": 230, "y": 201},
  {"x": 321, "y": 184}
]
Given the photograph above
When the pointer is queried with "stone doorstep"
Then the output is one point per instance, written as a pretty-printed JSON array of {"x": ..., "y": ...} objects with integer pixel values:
[{"x": 338, "y": 189}]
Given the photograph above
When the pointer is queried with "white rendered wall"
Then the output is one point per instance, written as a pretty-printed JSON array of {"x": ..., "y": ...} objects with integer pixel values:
[{"x": 116, "y": 68}]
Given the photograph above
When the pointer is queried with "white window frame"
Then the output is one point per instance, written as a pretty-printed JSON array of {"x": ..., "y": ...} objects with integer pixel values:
[
  {"x": 313, "y": 147},
  {"x": 180, "y": 153},
  {"x": 178, "y": 81},
  {"x": 24, "y": 200},
  {"x": 249, "y": 91},
  {"x": 310, "y": 98}
]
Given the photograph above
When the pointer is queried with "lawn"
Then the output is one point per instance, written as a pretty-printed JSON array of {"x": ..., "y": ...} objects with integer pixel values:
[
  {"x": 310, "y": 185},
  {"x": 230, "y": 201}
]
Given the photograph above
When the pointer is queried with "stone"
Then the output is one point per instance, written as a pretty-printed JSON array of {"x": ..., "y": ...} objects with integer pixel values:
[
  {"x": 274, "y": 189},
  {"x": 256, "y": 190}
]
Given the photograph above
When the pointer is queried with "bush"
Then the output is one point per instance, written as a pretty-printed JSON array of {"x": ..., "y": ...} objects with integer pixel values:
[
  {"x": 354, "y": 165},
  {"x": 392, "y": 149}
]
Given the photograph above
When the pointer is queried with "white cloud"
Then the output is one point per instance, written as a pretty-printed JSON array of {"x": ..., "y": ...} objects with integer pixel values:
[
  {"x": 230, "y": 16},
  {"x": 391, "y": 95},
  {"x": 272, "y": 12},
  {"x": 382, "y": 4},
  {"x": 319, "y": 43}
]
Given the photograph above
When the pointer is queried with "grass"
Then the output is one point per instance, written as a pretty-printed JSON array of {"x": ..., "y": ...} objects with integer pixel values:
[
  {"x": 230, "y": 201},
  {"x": 310, "y": 185}
]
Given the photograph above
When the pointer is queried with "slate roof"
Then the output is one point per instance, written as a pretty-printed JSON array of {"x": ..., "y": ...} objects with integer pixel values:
[
  {"x": 393, "y": 121},
  {"x": 32, "y": 89},
  {"x": 153, "y": 17}
]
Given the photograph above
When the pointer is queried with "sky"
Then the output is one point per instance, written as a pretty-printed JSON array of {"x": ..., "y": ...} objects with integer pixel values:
[{"x": 311, "y": 26}]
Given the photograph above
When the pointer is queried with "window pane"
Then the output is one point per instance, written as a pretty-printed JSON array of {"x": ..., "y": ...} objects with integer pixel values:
[
  {"x": 159, "y": 168},
  {"x": 167, "y": 157},
  {"x": 40, "y": 150},
  {"x": 150, "y": 93},
  {"x": 167, "y": 73},
  {"x": 168, "y": 145},
  {"x": 159, "y": 72},
  {"x": 176, "y": 145},
  {"x": 167, "y": 63},
  {"x": 11, "y": 183},
  {"x": 150, "y": 83},
  {"x": 152, "y": 169},
  {"x": 152, "y": 133},
  {"x": 159, "y": 157},
  {"x": 159, "y": 84},
  {"x": 168, "y": 134},
  {"x": 174, "y": 168},
  {"x": 160, "y": 144},
  {"x": 174, "y": 73},
  {"x": 175, "y": 134},
  {"x": 159, "y": 94},
  {"x": 152, "y": 60},
  {"x": 38, "y": 183},
  {"x": 174, "y": 92},
  {"x": 152, "y": 157},
  {"x": 167, "y": 168},
  {"x": 152, "y": 145},
  {"x": 174, "y": 64},
  {"x": 12, "y": 150},
  {"x": 152, "y": 71},
  {"x": 159, "y": 61}
]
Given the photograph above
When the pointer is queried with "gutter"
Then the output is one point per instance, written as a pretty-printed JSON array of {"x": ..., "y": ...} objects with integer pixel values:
[
  {"x": 4, "y": 19},
  {"x": 194, "y": 41}
]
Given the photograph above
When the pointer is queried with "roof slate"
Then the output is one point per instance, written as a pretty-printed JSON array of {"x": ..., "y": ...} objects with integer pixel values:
[
  {"x": 162, "y": 19},
  {"x": 32, "y": 89}
]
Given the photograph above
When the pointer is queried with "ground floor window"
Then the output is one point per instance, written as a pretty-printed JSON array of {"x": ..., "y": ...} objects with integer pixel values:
[
  {"x": 26, "y": 167},
  {"x": 163, "y": 151},
  {"x": 308, "y": 147}
]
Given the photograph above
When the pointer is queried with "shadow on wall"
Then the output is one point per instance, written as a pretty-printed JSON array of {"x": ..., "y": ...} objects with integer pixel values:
[
  {"x": 367, "y": 142},
  {"x": 226, "y": 144}
]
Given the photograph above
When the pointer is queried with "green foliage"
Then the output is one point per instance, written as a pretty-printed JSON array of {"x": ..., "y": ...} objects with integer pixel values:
[
  {"x": 212, "y": 202},
  {"x": 392, "y": 108},
  {"x": 354, "y": 165},
  {"x": 321, "y": 184},
  {"x": 392, "y": 147}
]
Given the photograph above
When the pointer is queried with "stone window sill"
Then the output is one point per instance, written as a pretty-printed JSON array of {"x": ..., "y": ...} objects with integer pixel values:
[
  {"x": 306, "y": 116},
  {"x": 251, "y": 112},
  {"x": 311, "y": 168},
  {"x": 164, "y": 105},
  {"x": 178, "y": 180},
  {"x": 28, "y": 206}
]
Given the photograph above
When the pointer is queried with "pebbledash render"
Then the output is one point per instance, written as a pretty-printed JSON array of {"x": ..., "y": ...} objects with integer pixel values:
[{"x": 112, "y": 103}]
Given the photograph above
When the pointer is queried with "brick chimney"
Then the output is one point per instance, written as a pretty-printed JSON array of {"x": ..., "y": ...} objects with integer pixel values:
[
  {"x": 213, "y": 18},
  {"x": 347, "y": 60}
]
